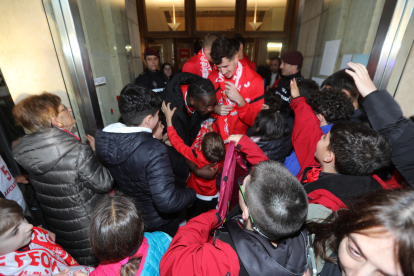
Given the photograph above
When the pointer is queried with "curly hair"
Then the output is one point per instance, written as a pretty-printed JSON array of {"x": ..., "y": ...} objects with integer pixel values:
[
  {"x": 270, "y": 125},
  {"x": 332, "y": 103},
  {"x": 274, "y": 101},
  {"x": 358, "y": 149},
  {"x": 136, "y": 102},
  {"x": 224, "y": 47},
  {"x": 200, "y": 87},
  {"x": 389, "y": 211}
]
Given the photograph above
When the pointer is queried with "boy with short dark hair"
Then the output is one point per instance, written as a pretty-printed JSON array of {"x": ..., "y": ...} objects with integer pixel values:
[
  {"x": 140, "y": 163},
  {"x": 263, "y": 237},
  {"x": 28, "y": 250},
  {"x": 330, "y": 106},
  {"x": 212, "y": 151},
  {"x": 307, "y": 87},
  {"x": 336, "y": 165}
]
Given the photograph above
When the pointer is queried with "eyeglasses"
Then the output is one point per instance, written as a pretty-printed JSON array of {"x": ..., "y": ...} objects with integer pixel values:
[
  {"x": 240, "y": 181},
  {"x": 64, "y": 108}
]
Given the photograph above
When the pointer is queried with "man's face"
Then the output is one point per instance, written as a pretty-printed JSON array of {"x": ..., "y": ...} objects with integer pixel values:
[
  {"x": 244, "y": 186},
  {"x": 228, "y": 66},
  {"x": 16, "y": 237},
  {"x": 274, "y": 66},
  {"x": 322, "y": 147},
  {"x": 288, "y": 69},
  {"x": 157, "y": 131},
  {"x": 154, "y": 121},
  {"x": 204, "y": 104},
  {"x": 66, "y": 117},
  {"x": 152, "y": 63}
]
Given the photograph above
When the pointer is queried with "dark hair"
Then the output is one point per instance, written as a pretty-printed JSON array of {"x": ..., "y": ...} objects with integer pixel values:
[
  {"x": 36, "y": 111},
  {"x": 276, "y": 200},
  {"x": 391, "y": 210},
  {"x": 333, "y": 104},
  {"x": 343, "y": 81},
  {"x": 209, "y": 39},
  {"x": 212, "y": 147},
  {"x": 200, "y": 87},
  {"x": 10, "y": 214},
  {"x": 240, "y": 39},
  {"x": 136, "y": 102},
  {"x": 307, "y": 87},
  {"x": 172, "y": 70},
  {"x": 270, "y": 125},
  {"x": 224, "y": 47},
  {"x": 277, "y": 58},
  {"x": 116, "y": 232},
  {"x": 358, "y": 149},
  {"x": 274, "y": 101}
]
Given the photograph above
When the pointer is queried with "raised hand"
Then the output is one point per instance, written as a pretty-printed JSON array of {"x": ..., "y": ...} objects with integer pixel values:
[
  {"x": 362, "y": 79},
  {"x": 168, "y": 112},
  {"x": 294, "y": 90}
]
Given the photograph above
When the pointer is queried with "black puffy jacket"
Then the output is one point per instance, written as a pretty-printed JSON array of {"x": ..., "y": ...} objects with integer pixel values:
[
  {"x": 142, "y": 169},
  {"x": 69, "y": 181},
  {"x": 277, "y": 150}
]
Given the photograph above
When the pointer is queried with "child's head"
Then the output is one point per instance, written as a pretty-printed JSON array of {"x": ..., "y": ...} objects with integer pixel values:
[
  {"x": 307, "y": 87},
  {"x": 212, "y": 147},
  {"x": 344, "y": 82},
  {"x": 332, "y": 104},
  {"x": 139, "y": 105},
  {"x": 274, "y": 101},
  {"x": 276, "y": 200},
  {"x": 116, "y": 232},
  {"x": 270, "y": 125},
  {"x": 354, "y": 149},
  {"x": 15, "y": 231}
]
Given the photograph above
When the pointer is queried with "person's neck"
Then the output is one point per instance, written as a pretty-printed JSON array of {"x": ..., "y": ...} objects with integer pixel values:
[
  {"x": 356, "y": 104},
  {"x": 187, "y": 100},
  {"x": 248, "y": 225},
  {"x": 151, "y": 70},
  {"x": 294, "y": 73},
  {"x": 241, "y": 55},
  {"x": 328, "y": 168},
  {"x": 324, "y": 123}
]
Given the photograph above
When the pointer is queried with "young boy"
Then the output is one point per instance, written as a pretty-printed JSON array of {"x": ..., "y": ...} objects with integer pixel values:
[
  {"x": 264, "y": 236},
  {"x": 337, "y": 165},
  {"x": 28, "y": 250},
  {"x": 212, "y": 151},
  {"x": 330, "y": 107},
  {"x": 140, "y": 163}
]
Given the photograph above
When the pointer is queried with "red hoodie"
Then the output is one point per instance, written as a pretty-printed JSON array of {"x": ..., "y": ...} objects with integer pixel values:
[
  {"x": 250, "y": 87},
  {"x": 199, "y": 65},
  {"x": 202, "y": 186},
  {"x": 250, "y": 63}
]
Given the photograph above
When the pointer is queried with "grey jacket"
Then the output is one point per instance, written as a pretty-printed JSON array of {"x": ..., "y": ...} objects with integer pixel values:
[{"x": 69, "y": 181}]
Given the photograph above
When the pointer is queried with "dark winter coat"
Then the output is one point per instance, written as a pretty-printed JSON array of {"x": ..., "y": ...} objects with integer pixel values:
[
  {"x": 277, "y": 150},
  {"x": 142, "y": 169},
  {"x": 156, "y": 81},
  {"x": 69, "y": 181}
]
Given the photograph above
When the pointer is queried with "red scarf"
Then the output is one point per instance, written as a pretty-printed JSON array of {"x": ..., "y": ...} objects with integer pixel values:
[{"x": 205, "y": 64}]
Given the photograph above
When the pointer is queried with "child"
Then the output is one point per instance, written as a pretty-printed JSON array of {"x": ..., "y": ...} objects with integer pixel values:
[
  {"x": 330, "y": 106},
  {"x": 271, "y": 133},
  {"x": 28, "y": 250},
  {"x": 336, "y": 165},
  {"x": 212, "y": 151},
  {"x": 118, "y": 240}
]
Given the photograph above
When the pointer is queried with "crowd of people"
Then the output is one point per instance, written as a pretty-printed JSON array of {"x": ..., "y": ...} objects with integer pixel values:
[{"x": 317, "y": 179}]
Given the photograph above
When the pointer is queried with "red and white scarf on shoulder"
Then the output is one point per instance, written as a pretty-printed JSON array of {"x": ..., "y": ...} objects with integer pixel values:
[
  {"x": 205, "y": 64},
  {"x": 235, "y": 80}
]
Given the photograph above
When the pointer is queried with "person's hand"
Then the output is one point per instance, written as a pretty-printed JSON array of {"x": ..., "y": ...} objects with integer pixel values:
[
  {"x": 222, "y": 110},
  {"x": 79, "y": 273},
  {"x": 91, "y": 141},
  {"x": 235, "y": 138},
  {"x": 207, "y": 171},
  {"x": 165, "y": 137},
  {"x": 65, "y": 273},
  {"x": 362, "y": 79},
  {"x": 168, "y": 112},
  {"x": 265, "y": 106},
  {"x": 210, "y": 127},
  {"x": 294, "y": 90},
  {"x": 268, "y": 87},
  {"x": 51, "y": 234},
  {"x": 233, "y": 94},
  {"x": 22, "y": 179}
]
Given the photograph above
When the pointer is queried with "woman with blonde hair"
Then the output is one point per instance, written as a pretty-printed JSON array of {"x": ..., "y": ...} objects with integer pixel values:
[{"x": 68, "y": 179}]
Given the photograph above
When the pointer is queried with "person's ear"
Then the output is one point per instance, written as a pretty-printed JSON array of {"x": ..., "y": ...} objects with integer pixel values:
[
  {"x": 329, "y": 157},
  {"x": 207, "y": 50},
  {"x": 147, "y": 121},
  {"x": 245, "y": 214},
  {"x": 321, "y": 118},
  {"x": 56, "y": 122},
  {"x": 191, "y": 101}
]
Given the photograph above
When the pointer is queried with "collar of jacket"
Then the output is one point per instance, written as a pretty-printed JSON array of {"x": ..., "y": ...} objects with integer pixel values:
[
  {"x": 260, "y": 257},
  {"x": 121, "y": 128}
]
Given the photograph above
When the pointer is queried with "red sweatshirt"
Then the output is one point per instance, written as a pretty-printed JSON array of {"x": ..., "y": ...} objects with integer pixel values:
[
  {"x": 250, "y": 63},
  {"x": 199, "y": 65},
  {"x": 306, "y": 133},
  {"x": 250, "y": 87},
  {"x": 202, "y": 186}
]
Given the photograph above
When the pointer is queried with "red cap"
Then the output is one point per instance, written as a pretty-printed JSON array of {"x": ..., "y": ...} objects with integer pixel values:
[
  {"x": 293, "y": 57},
  {"x": 151, "y": 52}
]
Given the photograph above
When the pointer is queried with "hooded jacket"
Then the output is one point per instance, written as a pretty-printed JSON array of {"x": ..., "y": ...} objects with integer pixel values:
[
  {"x": 69, "y": 182},
  {"x": 141, "y": 167},
  {"x": 278, "y": 149}
]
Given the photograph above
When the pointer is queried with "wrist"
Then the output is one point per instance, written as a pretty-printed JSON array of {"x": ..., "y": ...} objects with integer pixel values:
[
  {"x": 169, "y": 123},
  {"x": 241, "y": 102}
]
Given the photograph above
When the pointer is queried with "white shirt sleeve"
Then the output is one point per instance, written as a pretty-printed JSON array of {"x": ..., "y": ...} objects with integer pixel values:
[{"x": 9, "y": 187}]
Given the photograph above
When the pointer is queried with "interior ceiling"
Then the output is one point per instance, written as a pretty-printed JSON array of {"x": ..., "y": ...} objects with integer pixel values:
[{"x": 213, "y": 4}]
